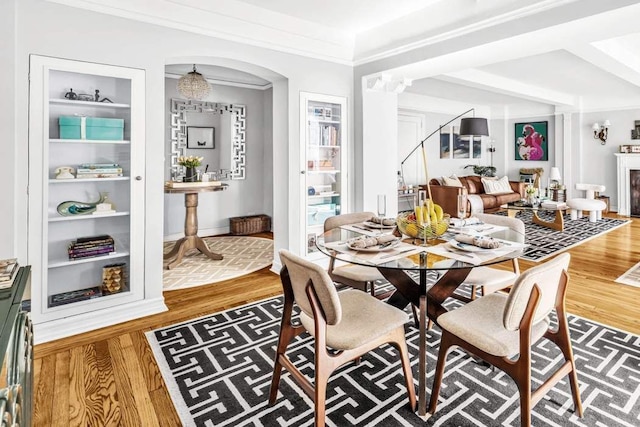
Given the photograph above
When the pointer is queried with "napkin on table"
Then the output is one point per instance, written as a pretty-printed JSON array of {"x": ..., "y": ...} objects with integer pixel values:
[
  {"x": 458, "y": 222},
  {"x": 366, "y": 241},
  {"x": 479, "y": 241},
  {"x": 383, "y": 221}
]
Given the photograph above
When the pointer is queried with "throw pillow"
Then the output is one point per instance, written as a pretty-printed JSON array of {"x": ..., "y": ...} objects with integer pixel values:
[
  {"x": 496, "y": 186},
  {"x": 452, "y": 181}
]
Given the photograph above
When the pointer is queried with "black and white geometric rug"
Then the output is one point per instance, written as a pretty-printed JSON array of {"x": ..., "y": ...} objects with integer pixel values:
[
  {"x": 218, "y": 371},
  {"x": 545, "y": 242}
]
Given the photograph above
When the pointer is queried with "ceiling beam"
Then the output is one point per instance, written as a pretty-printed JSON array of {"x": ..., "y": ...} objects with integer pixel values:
[
  {"x": 495, "y": 83},
  {"x": 612, "y": 57}
]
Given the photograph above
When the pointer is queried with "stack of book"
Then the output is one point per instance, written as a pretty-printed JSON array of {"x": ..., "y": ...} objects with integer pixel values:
[
  {"x": 8, "y": 270},
  {"x": 98, "y": 170},
  {"x": 85, "y": 247},
  {"x": 74, "y": 296}
]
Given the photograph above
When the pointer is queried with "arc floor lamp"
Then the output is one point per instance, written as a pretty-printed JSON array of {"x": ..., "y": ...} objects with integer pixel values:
[{"x": 469, "y": 126}]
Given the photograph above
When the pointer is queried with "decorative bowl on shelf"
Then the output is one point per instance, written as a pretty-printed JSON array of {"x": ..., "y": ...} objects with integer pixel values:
[{"x": 408, "y": 225}]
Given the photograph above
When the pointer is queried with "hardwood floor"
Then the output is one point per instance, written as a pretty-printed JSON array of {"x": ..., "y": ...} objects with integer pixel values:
[{"x": 109, "y": 377}]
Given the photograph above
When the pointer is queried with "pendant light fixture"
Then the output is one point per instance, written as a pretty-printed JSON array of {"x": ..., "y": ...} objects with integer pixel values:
[{"x": 193, "y": 85}]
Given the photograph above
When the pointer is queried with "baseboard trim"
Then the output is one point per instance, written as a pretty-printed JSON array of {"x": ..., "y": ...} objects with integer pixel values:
[{"x": 92, "y": 320}]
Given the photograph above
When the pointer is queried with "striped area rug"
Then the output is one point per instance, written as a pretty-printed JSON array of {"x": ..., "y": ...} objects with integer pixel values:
[{"x": 242, "y": 255}]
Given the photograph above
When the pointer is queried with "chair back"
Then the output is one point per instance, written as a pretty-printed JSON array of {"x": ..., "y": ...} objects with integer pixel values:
[
  {"x": 546, "y": 277},
  {"x": 300, "y": 272},
  {"x": 590, "y": 189},
  {"x": 345, "y": 219},
  {"x": 514, "y": 224}
]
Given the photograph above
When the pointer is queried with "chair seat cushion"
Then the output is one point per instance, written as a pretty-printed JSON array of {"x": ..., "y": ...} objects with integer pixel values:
[
  {"x": 587, "y": 204},
  {"x": 480, "y": 324},
  {"x": 492, "y": 279},
  {"x": 364, "y": 318},
  {"x": 359, "y": 273}
]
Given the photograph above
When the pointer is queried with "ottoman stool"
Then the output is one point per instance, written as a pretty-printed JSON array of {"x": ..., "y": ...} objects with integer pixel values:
[{"x": 595, "y": 208}]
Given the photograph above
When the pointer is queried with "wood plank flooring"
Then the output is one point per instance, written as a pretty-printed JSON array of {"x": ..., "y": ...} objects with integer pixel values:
[{"x": 109, "y": 377}]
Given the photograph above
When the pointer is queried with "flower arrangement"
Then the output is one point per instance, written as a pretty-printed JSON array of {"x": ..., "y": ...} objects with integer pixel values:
[
  {"x": 530, "y": 190},
  {"x": 190, "y": 161}
]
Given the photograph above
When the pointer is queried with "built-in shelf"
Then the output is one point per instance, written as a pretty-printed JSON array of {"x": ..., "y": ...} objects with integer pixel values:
[
  {"x": 87, "y": 103},
  {"x": 67, "y": 262},
  {"x": 89, "y": 141},
  {"x": 327, "y": 171},
  {"x": 319, "y": 120},
  {"x": 90, "y": 301},
  {"x": 69, "y": 181},
  {"x": 87, "y": 216},
  {"x": 323, "y": 196}
]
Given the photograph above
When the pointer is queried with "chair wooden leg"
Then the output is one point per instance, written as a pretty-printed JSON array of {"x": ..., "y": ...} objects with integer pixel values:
[
  {"x": 275, "y": 381},
  {"x": 372, "y": 289},
  {"x": 474, "y": 290},
  {"x": 401, "y": 346},
  {"x": 320, "y": 397},
  {"x": 524, "y": 386},
  {"x": 563, "y": 341},
  {"x": 439, "y": 373}
]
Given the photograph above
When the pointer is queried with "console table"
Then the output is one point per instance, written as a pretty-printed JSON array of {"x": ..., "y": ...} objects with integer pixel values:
[
  {"x": 191, "y": 240},
  {"x": 16, "y": 351}
]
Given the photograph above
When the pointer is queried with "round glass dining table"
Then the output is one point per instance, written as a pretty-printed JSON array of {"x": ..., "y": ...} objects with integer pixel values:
[{"x": 397, "y": 263}]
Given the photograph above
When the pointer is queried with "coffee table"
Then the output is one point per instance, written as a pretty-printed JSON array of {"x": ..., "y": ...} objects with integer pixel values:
[{"x": 557, "y": 223}]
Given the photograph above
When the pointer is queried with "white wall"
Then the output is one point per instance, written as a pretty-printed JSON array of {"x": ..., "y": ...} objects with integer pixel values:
[
  {"x": 12, "y": 184},
  {"x": 593, "y": 162},
  {"x": 51, "y": 29},
  {"x": 242, "y": 197},
  {"x": 380, "y": 151},
  {"x": 438, "y": 111}
]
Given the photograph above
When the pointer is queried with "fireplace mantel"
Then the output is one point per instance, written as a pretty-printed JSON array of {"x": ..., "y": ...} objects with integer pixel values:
[{"x": 626, "y": 163}]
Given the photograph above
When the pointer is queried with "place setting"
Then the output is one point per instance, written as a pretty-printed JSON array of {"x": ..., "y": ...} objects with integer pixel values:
[
  {"x": 375, "y": 249},
  {"x": 376, "y": 225},
  {"x": 475, "y": 249}
]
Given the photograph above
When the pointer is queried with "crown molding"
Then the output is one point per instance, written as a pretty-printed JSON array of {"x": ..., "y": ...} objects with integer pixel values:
[{"x": 226, "y": 82}]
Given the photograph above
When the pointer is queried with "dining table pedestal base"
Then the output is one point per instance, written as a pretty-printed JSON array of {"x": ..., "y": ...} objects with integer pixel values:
[{"x": 431, "y": 307}]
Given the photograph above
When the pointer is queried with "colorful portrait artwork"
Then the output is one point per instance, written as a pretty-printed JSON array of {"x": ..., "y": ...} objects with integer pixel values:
[{"x": 531, "y": 141}]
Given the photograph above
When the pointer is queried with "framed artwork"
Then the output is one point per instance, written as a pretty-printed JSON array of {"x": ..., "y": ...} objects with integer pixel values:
[
  {"x": 461, "y": 146},
  {"x": 200, "y": 137},
  {"x": 531, "y": 141},
  {"x": 477, "y": 147},
  {"x": 445, "y": 144}
]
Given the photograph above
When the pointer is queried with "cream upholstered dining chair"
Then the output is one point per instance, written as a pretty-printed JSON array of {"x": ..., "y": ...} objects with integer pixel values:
[
  {"x": 350, "y": 322},
  {"x": 498, "y": 327},
  {"x": 356, "y": 276},
  {"x": 488, "y": 279}
]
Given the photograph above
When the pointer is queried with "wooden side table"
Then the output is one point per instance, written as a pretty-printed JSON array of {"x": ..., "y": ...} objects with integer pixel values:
[
  {"x": 191, "y": 239},
  {"x": 558, "y": 195}
]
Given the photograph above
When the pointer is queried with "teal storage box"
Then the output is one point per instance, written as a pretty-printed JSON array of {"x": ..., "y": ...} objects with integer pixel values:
[{"x": 74, "y": 127}]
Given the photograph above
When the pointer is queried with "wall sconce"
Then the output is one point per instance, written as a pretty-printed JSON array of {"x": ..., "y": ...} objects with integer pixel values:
[
  {"x": 491, "y": 150},
  {"x": 601, "y": 132}
]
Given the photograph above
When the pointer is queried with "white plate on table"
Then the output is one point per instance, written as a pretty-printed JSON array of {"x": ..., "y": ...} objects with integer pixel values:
[
  {"x": 375, "y": 248},
  {"x": 469, "y": 247},
  {"x": 372, "y": 224}
]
